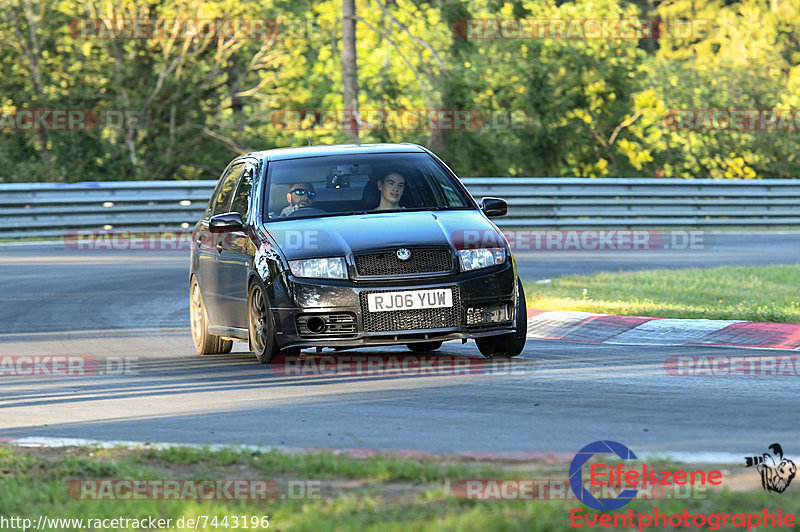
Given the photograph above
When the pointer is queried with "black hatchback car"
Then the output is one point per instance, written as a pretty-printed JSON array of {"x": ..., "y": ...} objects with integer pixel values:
[{"x": 351, "y": 245}]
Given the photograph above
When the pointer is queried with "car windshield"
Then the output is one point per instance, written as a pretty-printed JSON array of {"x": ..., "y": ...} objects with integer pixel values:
[{"x": 360, "y": 183}]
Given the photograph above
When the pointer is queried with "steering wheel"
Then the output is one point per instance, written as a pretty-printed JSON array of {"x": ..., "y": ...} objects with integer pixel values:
[{"x": 306, "y": 210}]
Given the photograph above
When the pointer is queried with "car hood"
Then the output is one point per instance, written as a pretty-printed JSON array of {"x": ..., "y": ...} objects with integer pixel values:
[{"x": 338, "y": 236}]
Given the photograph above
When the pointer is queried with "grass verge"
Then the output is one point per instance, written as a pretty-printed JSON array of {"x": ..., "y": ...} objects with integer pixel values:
[
  {"x": 376, "y": 493},
  {"x": 751, "y": 293}
]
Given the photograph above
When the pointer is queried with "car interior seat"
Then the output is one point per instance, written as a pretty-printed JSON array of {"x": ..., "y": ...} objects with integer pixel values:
[{"x": 371, "y": 196}]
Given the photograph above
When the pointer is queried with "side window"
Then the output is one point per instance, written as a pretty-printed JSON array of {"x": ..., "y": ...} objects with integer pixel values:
[
  {"x": 223, "y": 199},
  {"x": 241, "y": 200}
]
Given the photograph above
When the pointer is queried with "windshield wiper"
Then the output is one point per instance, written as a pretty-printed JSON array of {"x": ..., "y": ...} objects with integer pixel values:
[{"x": 363, "y": 212}]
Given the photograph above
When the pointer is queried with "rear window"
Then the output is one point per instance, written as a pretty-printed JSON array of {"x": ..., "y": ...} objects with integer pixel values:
[{"x": 359, "y": 183}]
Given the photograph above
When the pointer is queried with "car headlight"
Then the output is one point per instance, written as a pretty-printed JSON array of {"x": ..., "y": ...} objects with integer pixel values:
[
  {"x": 473, "y": 259},
  {"x": 327, "y": 268}
]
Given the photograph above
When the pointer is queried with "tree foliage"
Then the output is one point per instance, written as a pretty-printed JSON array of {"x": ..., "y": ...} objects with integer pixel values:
[{"x": 180, "y": 107}]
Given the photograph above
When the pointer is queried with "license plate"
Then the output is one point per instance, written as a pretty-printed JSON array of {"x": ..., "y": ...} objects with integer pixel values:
[{"x": 410, "y": 300}]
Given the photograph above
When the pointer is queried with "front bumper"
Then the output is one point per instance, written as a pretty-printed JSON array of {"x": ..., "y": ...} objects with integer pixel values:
[{"x": 298, "y": 300}]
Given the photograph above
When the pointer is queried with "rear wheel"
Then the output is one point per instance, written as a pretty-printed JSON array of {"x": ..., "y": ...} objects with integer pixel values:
[
  {"x": 512, "y": 344},
  {"x": 423, "y": 347},
  {"x": 204, "y": 342}
]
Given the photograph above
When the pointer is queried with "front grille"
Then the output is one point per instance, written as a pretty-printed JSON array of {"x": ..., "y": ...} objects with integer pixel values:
[
  {"x": 408, "y": 320},
  {"x": 422, "y": 261}
]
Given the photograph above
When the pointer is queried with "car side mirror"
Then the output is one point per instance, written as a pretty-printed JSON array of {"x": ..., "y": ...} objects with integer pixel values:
[
  {"x": 494, "y": 207},
  {"x": 226, "y": 223}
]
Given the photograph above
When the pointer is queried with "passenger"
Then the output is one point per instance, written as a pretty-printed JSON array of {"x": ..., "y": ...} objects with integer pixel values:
[
  {"x": 299, "y": 195},
  {"x": 391, "y": 188}
]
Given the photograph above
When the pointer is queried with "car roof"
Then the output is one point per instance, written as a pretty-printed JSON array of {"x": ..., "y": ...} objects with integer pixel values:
[{"x": 279, "y": 154}]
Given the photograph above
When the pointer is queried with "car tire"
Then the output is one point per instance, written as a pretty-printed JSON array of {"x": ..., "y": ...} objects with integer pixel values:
[
  {"x": 261, "y": 325},
  {"x": 204, "y": 342},
  {"x": 423, "y": 347},
  {"x": 512, "y": 344}
]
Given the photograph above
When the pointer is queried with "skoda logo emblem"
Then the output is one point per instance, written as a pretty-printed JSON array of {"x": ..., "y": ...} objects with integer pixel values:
[{"x": 403, "y": 254}]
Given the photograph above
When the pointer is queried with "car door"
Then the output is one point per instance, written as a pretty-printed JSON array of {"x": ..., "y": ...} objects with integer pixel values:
[
  {"x": 210, "y": 245},
  {"x": 235, "y": 255}
]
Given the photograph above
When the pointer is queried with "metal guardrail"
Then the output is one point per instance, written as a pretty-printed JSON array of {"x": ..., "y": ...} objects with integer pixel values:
[
  {"x": 51, "y": 209},
  {"x": 645, "y": 202}
]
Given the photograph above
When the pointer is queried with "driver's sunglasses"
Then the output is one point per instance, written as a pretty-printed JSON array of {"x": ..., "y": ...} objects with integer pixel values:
[{"x": 303, "y": 192}]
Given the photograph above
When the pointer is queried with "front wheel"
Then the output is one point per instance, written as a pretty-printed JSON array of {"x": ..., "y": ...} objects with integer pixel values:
[
  {"x": 511, "y": 344},
  {"x": 261, "y": 325},
  {"x": 204, "y": 342}
]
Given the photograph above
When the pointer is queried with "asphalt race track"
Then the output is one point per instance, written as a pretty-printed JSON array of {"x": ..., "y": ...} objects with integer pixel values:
[
  {"x": 128, "y": 312},
  {"x": 710, "y": 249}
]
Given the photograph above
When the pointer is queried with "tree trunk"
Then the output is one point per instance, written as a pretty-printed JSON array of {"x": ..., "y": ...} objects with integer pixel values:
[{"x": 350, "y": 70}]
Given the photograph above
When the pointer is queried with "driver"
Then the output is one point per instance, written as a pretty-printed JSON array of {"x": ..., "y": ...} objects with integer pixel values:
[{"x": 299, "y": 195}]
